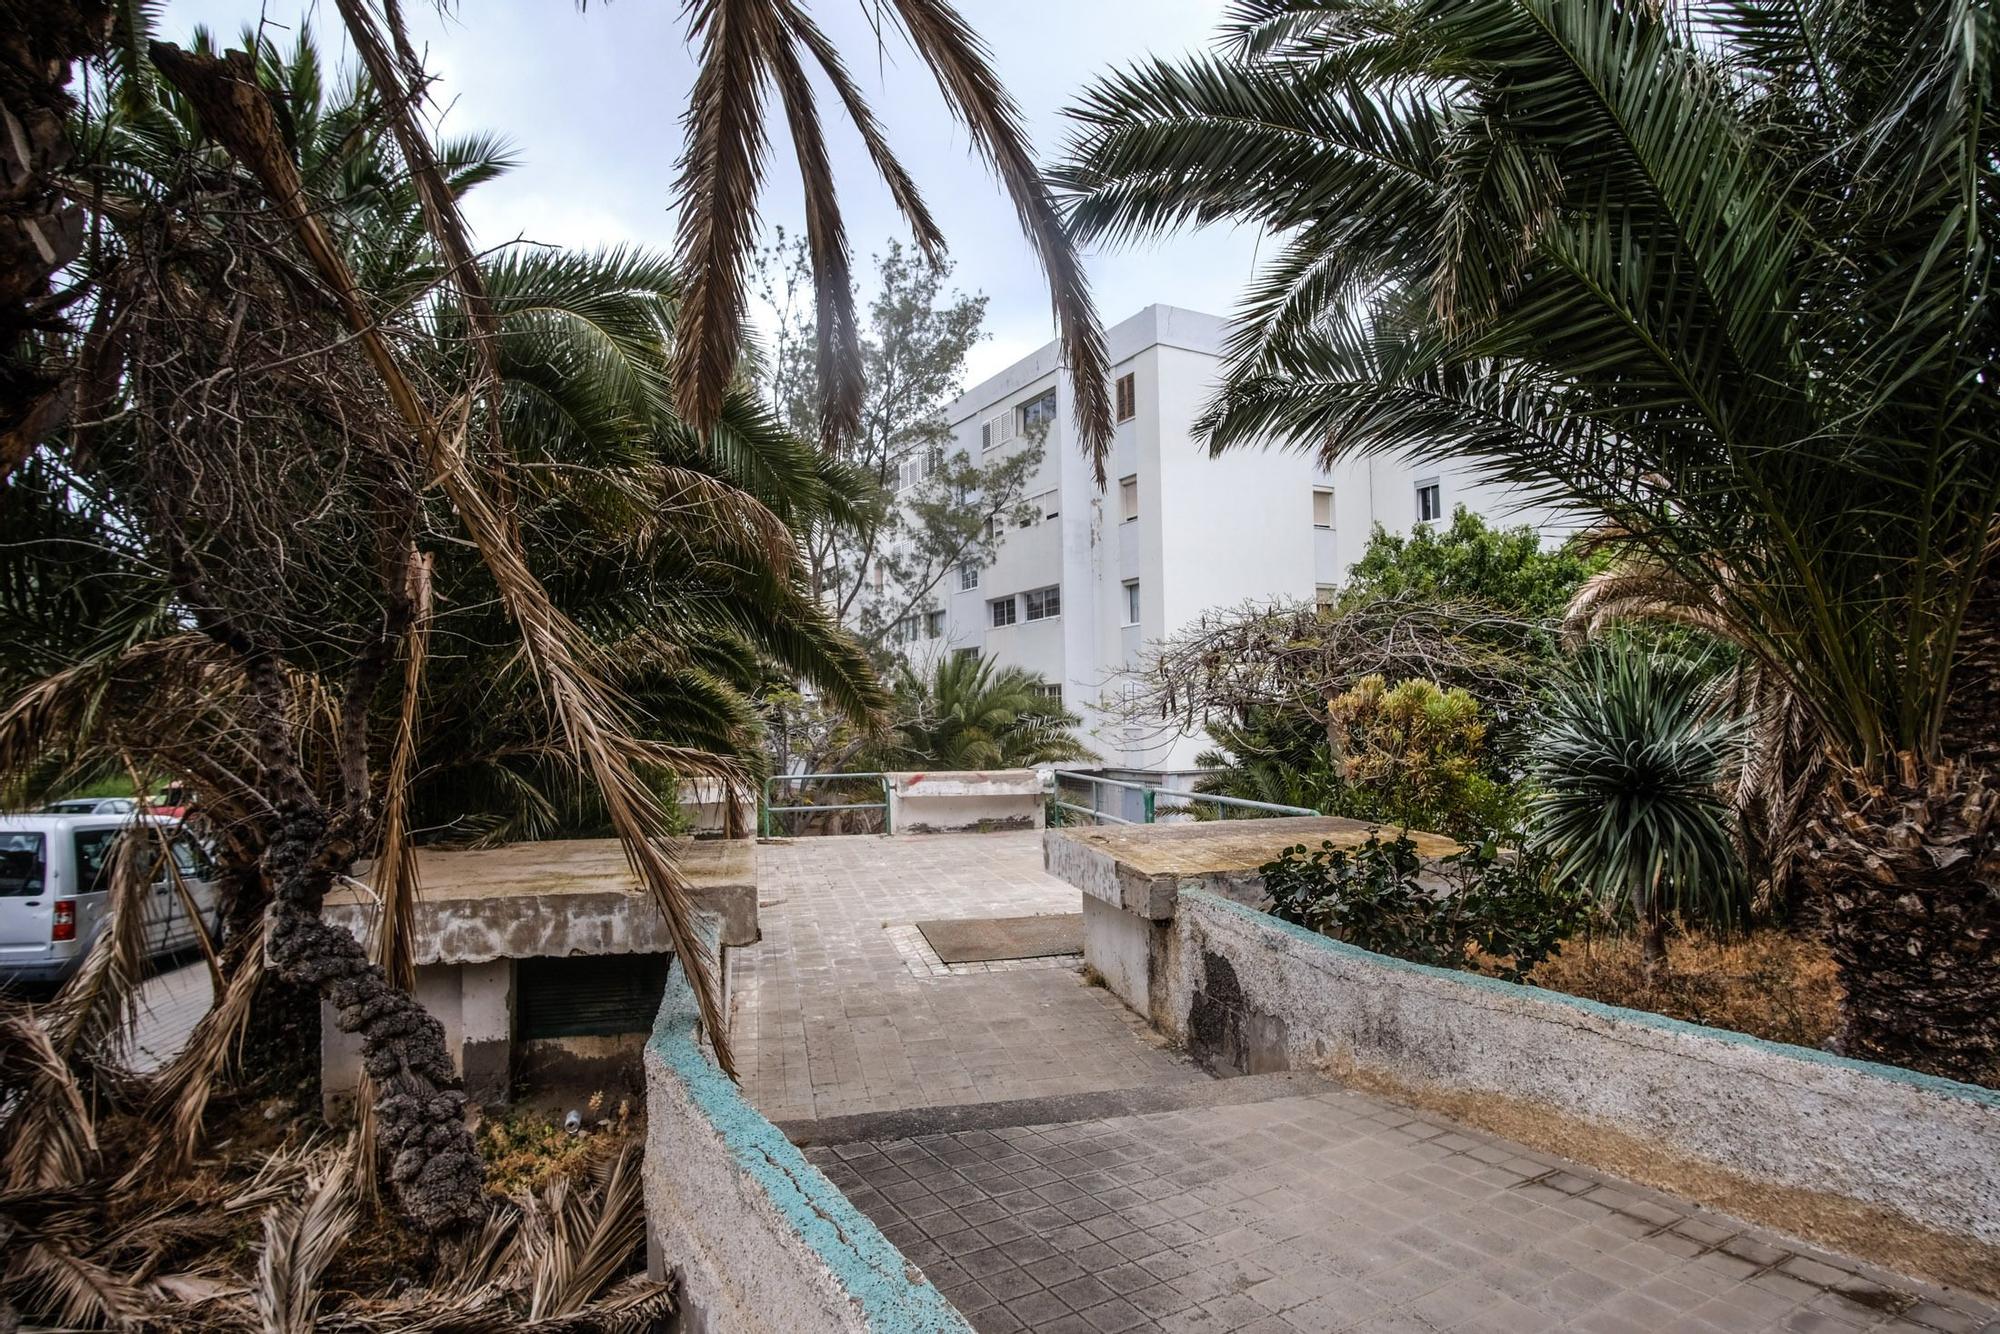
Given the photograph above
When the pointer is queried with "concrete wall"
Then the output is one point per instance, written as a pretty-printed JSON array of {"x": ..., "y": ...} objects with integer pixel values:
[
  {"x": 1249, "y": 993},
  {"x": 707, "y": 802},
  {"x": 977, "y": 800},
  {"x": 761, "y": 1241}
]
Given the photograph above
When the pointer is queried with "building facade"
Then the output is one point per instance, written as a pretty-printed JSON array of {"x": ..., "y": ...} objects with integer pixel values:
[{"x": 1085, "y": 579}]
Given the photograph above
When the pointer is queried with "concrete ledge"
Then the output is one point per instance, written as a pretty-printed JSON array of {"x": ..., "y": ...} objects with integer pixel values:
[
  {"x": 966, "y": 801},
  {"x": 1133, "y": 875},
  {"x": 557, "y": 898},
  {"x": 1247, "y": 991},
  {"x": 761, "y": 1241}
]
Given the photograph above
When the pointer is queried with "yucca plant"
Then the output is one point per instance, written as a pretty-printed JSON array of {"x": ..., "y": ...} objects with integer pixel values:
[
  {"x": 1716, "y": 275},
  {"x": 1628, "y": 761}
]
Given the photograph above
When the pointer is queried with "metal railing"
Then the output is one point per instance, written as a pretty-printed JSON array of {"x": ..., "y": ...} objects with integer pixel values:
[
  {"x": 765, "y": 810},
  {"x": 1149, "y": 800}
]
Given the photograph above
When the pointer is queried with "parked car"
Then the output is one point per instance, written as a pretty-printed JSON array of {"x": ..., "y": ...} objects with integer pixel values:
[
  {"x": 92, "y": 806},
  {"x": 55, "y": 881}
]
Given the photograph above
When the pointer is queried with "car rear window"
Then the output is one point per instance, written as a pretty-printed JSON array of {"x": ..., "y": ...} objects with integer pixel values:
[
  {"x": 93, "y": 859},
  {"x": 22, "y": 865}
]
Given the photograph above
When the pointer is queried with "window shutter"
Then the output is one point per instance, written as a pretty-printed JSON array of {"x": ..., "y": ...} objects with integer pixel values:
[{"x": 589, "y": 995}]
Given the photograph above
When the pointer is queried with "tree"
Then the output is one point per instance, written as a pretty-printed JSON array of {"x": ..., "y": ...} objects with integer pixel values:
[
  {"x": 746, "y": 51},
  {"x": 1628, "y": 760},
  {"x": 916, "y": 509},
  {"x": 1504, "y": 568},
  {"x": 251, "y": 622},
  {"x": 1717, "y": 278},
  {"x": 966, "y": 713}
]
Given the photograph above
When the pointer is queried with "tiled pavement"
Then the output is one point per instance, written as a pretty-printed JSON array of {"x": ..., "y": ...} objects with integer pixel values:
[
  {"x": 835, "y": 1011},
  {"x": 1335, "y": 1211},
  {"x": 1299, "y": 1213},
  {"x": 170, "y": 1004}
]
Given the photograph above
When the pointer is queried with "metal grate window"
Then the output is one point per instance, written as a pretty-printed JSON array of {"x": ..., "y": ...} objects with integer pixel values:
[{"x": 591, "y": 995}]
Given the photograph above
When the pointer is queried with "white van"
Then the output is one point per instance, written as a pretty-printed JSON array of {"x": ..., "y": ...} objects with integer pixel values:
[{"x": 55, "y": 878}]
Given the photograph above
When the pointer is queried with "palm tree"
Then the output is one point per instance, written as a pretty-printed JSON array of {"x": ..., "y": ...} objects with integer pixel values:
[
  {"x": 1628, "y": 760},
  {"x": 966, "y": 713},
  {"x": 747, "y": 47},
  {"x": 1716, "y": 275},
  {"x": 245, "y": 606}
]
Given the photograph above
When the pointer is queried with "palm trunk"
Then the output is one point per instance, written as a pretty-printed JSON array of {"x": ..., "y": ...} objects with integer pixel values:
[
  {"x": 1909, "y": 872},
  {"x": 40, "y": 230}
]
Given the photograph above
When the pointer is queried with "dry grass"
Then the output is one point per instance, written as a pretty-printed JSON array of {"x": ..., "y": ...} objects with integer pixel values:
[
  {"x": 528, "y": 1149},
  {"x": 1768, "y": 983}
]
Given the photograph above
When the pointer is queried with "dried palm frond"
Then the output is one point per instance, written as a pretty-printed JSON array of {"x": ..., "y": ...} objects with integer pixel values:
[
  {"x": 958, "y": 60},
  {"x": 573, "y": 1243},
  {"x": 563, "y": 660},
  {"x": 50, "y": 1241},
  {"x": 302, "y": 1236},
  {"x": 747, "y": 45},
  {"x": 181, "y": 1091},
  {"x": 50, "y": 1133},
  {"x": 97, "y": 1010}
]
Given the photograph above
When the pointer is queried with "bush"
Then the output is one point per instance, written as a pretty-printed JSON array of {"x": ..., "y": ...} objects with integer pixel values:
[
  {"x": 1488, "y": 911},
  {"x": 1414, "y": 754}
]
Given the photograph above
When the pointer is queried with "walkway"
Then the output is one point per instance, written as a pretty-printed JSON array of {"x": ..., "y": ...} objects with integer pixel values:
[
  {"x": 170, "y": 1004},
  {"x": 1052, "y": 1168},
  {"x": 843, "y": 1009}
]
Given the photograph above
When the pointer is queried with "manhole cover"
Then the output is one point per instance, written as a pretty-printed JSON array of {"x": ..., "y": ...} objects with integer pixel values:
[{"x": 986, "y": 939}]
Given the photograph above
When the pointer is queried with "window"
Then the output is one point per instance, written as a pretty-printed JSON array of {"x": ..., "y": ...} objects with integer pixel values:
[
  {"x": 1051, "y": 693},
  {"x": 1037, "y": 509},
  {"x": 1323, "y": 598},
  {"x": 1128, "y": 398},
  {"x": 23, "y": 865},
  {"x": 905, "y": 630},
  {"x": 968, "y": 576},
  {"x": 1131, "y": 602},
  {"x": 1128, "y": 498},
  {"x": 1043, "y": 603},
  {"x": 916, "y": 466},
  {"x": 999, "y": 429},
  {"x": 934, "y": 625},
  {"x": 966, "y": 655},
  {"x": 1322, "y": 508},
  {"x": 876, "y": 575},
  {"x": 1430, "y": 502},
  {"x": 1003, "y": 611},
  {"x": 1038, "y": 414},
  {"x": 93, "y": 860}
]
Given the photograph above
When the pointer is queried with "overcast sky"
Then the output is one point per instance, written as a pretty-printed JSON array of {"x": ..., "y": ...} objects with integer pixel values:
[{"x": 592, "y": 103}]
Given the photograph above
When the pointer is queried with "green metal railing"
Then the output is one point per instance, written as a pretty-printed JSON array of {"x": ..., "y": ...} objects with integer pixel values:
[
  {"x": 1149, "y": 800},
  {"x": 765, "y": 810}
]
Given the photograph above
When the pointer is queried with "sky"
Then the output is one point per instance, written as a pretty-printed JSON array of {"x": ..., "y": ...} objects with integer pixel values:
[{"x": 591, "y": 100}]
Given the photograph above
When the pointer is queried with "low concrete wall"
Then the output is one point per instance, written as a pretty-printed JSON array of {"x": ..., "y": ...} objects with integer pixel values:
[
  {"x": 712, "y": 807},
  {"x": 1248, "y": 992},
  {"x": 966, "y": 801},
  {"x": 761, "y": 1241}
]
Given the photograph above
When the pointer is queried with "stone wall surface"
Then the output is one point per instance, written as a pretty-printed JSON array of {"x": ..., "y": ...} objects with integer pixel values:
[
  {"x": 1250, "y": 993},
  {"x": 761, "y": 1241}
]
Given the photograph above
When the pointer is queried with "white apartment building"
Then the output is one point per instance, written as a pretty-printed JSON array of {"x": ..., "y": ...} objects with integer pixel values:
[{"x": 1078, "y": 593}]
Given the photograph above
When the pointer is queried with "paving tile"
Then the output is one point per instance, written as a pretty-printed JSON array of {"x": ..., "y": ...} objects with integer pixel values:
[{"x": 1306, "y": 1214}]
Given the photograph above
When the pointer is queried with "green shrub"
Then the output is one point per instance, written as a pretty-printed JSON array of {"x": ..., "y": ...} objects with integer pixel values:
[{"x": 1485, "y": 910}]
